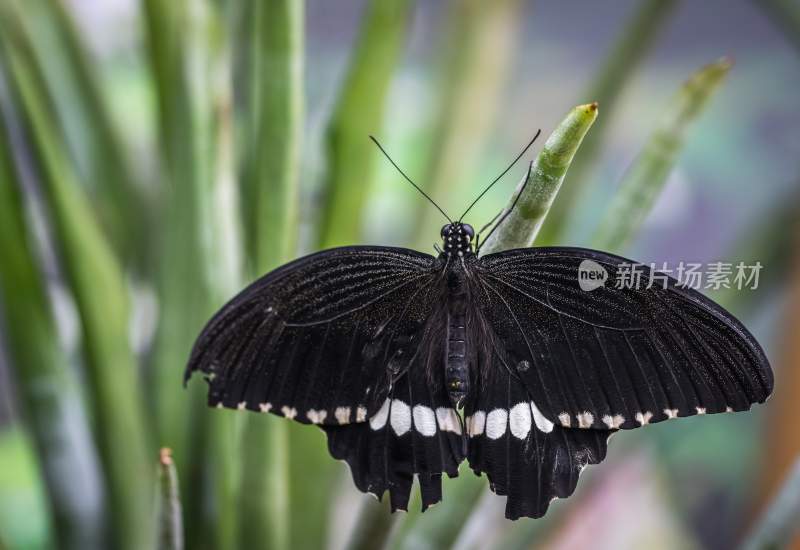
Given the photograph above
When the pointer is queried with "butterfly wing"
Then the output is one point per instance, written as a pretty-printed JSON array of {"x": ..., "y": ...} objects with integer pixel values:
[
  {"x": 415, "y": 432},
  {"x": 320, "y": 339},
  {"x": 526, "y": 457},
  {"x": 614, "y": 358}
]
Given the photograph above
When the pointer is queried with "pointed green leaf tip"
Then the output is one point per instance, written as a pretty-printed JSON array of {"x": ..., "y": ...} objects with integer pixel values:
[
  {"x": 645, "y": 178},
  {"x": 521, "y": 226}
]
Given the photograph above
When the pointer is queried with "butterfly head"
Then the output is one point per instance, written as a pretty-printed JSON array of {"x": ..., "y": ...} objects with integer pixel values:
[{"x": 457, "y": 238}]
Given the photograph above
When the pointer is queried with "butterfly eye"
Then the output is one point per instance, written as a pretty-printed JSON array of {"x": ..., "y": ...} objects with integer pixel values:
[
  {"x": 445, "y": 229},
  {"x": 468, "y": 230}
]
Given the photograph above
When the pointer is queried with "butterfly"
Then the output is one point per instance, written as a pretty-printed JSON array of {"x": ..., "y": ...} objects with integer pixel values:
[{"x": 412, "y": 363}]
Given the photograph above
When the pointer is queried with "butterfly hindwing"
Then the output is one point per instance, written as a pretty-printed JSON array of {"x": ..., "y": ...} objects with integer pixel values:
[
  {"x": 525, "y": 456},
  {"x": 319, "y": 339},
  {"x": 415, "y": 432},
  {"x": 613, "y": 358}
]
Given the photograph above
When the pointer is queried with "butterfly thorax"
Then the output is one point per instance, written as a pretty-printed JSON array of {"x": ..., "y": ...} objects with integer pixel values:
[{"x": 457, "y": 239}]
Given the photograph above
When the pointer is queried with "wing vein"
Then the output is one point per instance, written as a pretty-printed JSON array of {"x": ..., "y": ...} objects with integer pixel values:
[{"x": 559, "y": 312}]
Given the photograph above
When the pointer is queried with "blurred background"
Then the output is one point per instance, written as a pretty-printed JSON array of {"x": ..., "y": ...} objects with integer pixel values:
[{"x": 155, "y": 156}]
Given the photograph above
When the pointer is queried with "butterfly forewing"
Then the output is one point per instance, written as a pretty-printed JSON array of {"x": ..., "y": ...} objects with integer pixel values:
[
  {"x": 320, "y": 339},
  {"x": 610, "y": 357}
]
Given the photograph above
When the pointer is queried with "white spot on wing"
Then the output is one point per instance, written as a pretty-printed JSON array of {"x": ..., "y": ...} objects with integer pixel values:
[
  {"x": 378, "y": 421},
  {"x": 424, "y": 420},
  {"x": 496, "y": 422},
  {"x": 361, "y": 414},
  {"x": 242, "y": 406},
  {"x": 585, "y": 419},
  {"x": 542, "y": 423},
  {"x": 564, "y": 419},
  {"x": 400, "y": 417},
  {"x": 671, "y": 413},
  {"x": 613, "y": 422},
  {"x": 289, "y": 412},
  {"x": 448, "y": 420},
  {"x": 342, "y": 415},
  {"x": 316, "y": 417},
  {"x": 644, "y": 418},
  {"x": 701, "y": 410},
  {"x": 476, "y": 423},
  {"x": 519, "y": 420},
  {"x": 265, "y": 407},
  {"x": 728, "y": 409}
]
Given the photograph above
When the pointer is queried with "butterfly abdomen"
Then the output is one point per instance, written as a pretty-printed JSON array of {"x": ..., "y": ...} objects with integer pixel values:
[{"x": 457, "y": 365}]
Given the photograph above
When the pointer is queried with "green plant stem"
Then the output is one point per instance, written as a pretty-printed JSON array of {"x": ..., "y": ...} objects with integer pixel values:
[
  {"x": 631, "y": 47},
  {"x": 269, "y": 189},
  {"x": 221, "y": 439},
  {"x": 184, "y": 293},
  {"x": 358, "y": 113},
  {"x": 520, "y": 227},
  {"x": 170, "y": 516},
  {"x": 47, "y": 389},
  {"x": 189, "y": 274},
  {"x": 786, "y": 16},
  {"x": 99, "y": 291},
  {"x": 645, "y": 177},
  {"x": 277, "y": 88},
  {"x": 478, "y": 54},
  {"x": 778, "y": 526}
]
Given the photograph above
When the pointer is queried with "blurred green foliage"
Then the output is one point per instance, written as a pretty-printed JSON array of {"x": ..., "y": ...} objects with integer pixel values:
[{"x": 227, "y": 82}]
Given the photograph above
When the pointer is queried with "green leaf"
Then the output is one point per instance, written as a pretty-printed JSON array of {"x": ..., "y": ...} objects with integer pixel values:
[
  {"x": 630, "y": 48},
  {"x": 194, "y": 139},
  {"x": 274, "y": 141},
  {"x": 100, "y": 294},
  {"x": 170, "y": 516},
  {"x": 520, "y": 227},
  {"x": 269, "y": 190},
  {"x": 24, "y": 522},
  {"x": 358, "y": 113},
  {"x": 645, "y": 177},
  {"x": 93, "y": 137},
  {"x": 44, "y": 385}
]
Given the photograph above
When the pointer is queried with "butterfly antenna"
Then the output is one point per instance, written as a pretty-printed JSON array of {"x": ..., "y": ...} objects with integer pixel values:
[
  {"x": 375, "y": 141},
  {"x": 501, "y": 175},
  {"x": 509, "y": 211}
]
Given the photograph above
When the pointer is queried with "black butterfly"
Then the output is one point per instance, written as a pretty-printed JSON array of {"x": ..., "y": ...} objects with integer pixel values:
[{"x": 381, "y": 346}]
